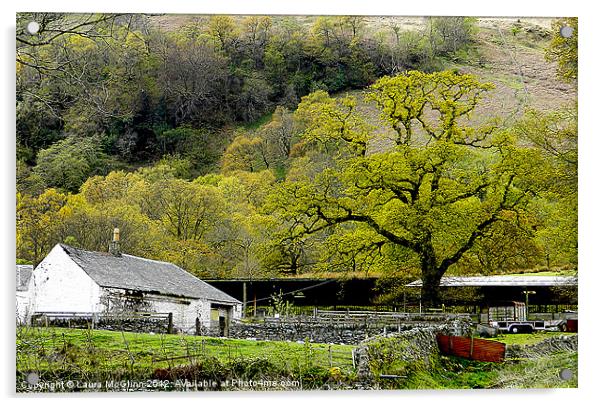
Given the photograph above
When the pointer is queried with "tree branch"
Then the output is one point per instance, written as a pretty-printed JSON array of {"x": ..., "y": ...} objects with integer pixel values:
[{"x": 349, "y": 217}]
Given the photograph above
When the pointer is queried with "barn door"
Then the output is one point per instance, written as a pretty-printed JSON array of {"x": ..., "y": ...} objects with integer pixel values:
[{"x": 214, "y": 323}]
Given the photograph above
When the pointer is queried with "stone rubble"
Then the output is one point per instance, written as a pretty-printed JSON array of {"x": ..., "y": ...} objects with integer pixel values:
[{"x": 543, "y": 348}]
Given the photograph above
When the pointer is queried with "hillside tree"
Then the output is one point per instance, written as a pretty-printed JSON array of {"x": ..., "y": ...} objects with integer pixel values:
[{"x": 436, "y": 193}]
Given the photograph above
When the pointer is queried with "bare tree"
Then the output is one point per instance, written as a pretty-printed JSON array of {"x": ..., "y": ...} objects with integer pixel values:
[{"x": 194, "y": 79}]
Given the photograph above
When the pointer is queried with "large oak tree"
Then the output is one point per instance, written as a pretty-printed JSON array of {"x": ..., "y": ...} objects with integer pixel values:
[{"x": 435, "y": 193}]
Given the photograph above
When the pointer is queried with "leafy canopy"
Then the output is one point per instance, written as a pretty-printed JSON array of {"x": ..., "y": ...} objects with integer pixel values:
[{"x": 437, "y": 192}]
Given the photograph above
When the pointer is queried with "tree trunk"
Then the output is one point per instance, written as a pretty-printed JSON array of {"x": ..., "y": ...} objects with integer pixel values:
[
  {"x": 431, "y": 277},
  {"x": 430, "y": 288}
]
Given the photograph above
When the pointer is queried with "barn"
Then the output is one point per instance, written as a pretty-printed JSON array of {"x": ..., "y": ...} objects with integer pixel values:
[
  {"x": 542, "y": 292},
  {"x": 78, "y": 281}
]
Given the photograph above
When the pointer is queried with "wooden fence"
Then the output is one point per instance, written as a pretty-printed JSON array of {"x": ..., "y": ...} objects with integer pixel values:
[
  {"x": 373, "y": 318},
  {"x": 334, "y": 315},
  {"x": 472, "y": 348},
  {"x": 308, "y": 310}
]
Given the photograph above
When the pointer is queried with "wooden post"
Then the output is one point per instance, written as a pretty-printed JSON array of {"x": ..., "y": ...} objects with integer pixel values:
[
  {"x": 170, "y": 323},
  {"x": 471, "y": 345},
  {"x": 244, "y": 299},
  {"x": 404, "y": 302},
  {"x": 330, "y": 355},
  {"x": 197, "y": 327}
]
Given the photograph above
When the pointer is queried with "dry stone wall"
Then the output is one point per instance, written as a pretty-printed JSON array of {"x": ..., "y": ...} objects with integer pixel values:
[
  {"x": 320, "y": 332},
  {"x": 543, "y": 348},
  {"x": 395, "y": 354},
  {"x": 158, "y": 325}
]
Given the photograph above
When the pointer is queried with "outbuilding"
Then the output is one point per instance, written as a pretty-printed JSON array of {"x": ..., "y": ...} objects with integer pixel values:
[
  {"x": 23, "y": 292},
  {"x": 543, "y": 292},
  {"x": 79, "y": 281}
]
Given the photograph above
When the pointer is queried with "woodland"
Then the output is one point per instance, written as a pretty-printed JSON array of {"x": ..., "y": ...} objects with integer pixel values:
[{"x": 262, "y": 146}]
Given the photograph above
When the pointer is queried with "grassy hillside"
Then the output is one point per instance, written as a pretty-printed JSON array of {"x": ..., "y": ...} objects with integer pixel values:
[{"x": 507, "y": 52}]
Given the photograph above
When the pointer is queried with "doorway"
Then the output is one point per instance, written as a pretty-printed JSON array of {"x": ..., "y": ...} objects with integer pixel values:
[{"x": 220, "y": 319}]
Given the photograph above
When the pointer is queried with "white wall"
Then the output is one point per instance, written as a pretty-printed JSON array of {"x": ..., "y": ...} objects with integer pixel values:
[
  {"x": 237, "y": 312},
  {"x": 60, "y": 285},
  {"x": 185, "y": 315},
  {"x": 23, "y": 308},
  {"x": 184, "y": 310}
]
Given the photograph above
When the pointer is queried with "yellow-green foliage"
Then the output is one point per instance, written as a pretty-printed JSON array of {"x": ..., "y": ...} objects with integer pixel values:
[
  {"x": 438, "y": 196},
  {"x": 564, "y": 50}
]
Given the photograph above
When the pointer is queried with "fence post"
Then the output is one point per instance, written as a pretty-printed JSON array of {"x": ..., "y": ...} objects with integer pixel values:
[
  {"x": 170, "y": 323},
  {"x": 244, "y": 299},
  {"x": 471, "y": 345},
  {"x": 330, "y": 355}
]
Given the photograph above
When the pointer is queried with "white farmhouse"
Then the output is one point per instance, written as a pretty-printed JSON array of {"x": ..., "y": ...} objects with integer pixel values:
[{"x": 74, "y": 280}]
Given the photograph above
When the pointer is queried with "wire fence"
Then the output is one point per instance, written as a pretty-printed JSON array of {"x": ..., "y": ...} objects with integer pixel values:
[
  {"x": 300, "y": 352},
  {"x": 92, "y": 355}
]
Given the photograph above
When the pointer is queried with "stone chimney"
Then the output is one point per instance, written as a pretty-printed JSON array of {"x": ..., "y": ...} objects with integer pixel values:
[{"x": 114, "y": 245}]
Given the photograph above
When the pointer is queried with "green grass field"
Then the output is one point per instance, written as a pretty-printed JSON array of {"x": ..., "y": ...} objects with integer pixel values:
[
  {"x": 100, "y": 353},
  {"x": 61, "y": 353}
]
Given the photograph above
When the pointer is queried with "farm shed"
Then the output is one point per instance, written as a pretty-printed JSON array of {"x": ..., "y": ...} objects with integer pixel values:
[
  {"x": 543, "y": 290},
  {"x": 23, "y": 274},
  {"x": 78, "y": 281},
  {"x": 302, "y": 292}
]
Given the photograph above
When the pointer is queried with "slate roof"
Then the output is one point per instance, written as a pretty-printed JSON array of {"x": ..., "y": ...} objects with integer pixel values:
[
  {"x": 23, "y": 277},
  {"x": 501, "y": 280},
  {"x": 146, "y": 275}
]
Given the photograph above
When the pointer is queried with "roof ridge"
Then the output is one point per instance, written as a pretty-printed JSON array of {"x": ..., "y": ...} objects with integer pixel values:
[
  {"x": 150, "y": 260},
  {"x": 123, "y": 254}
]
